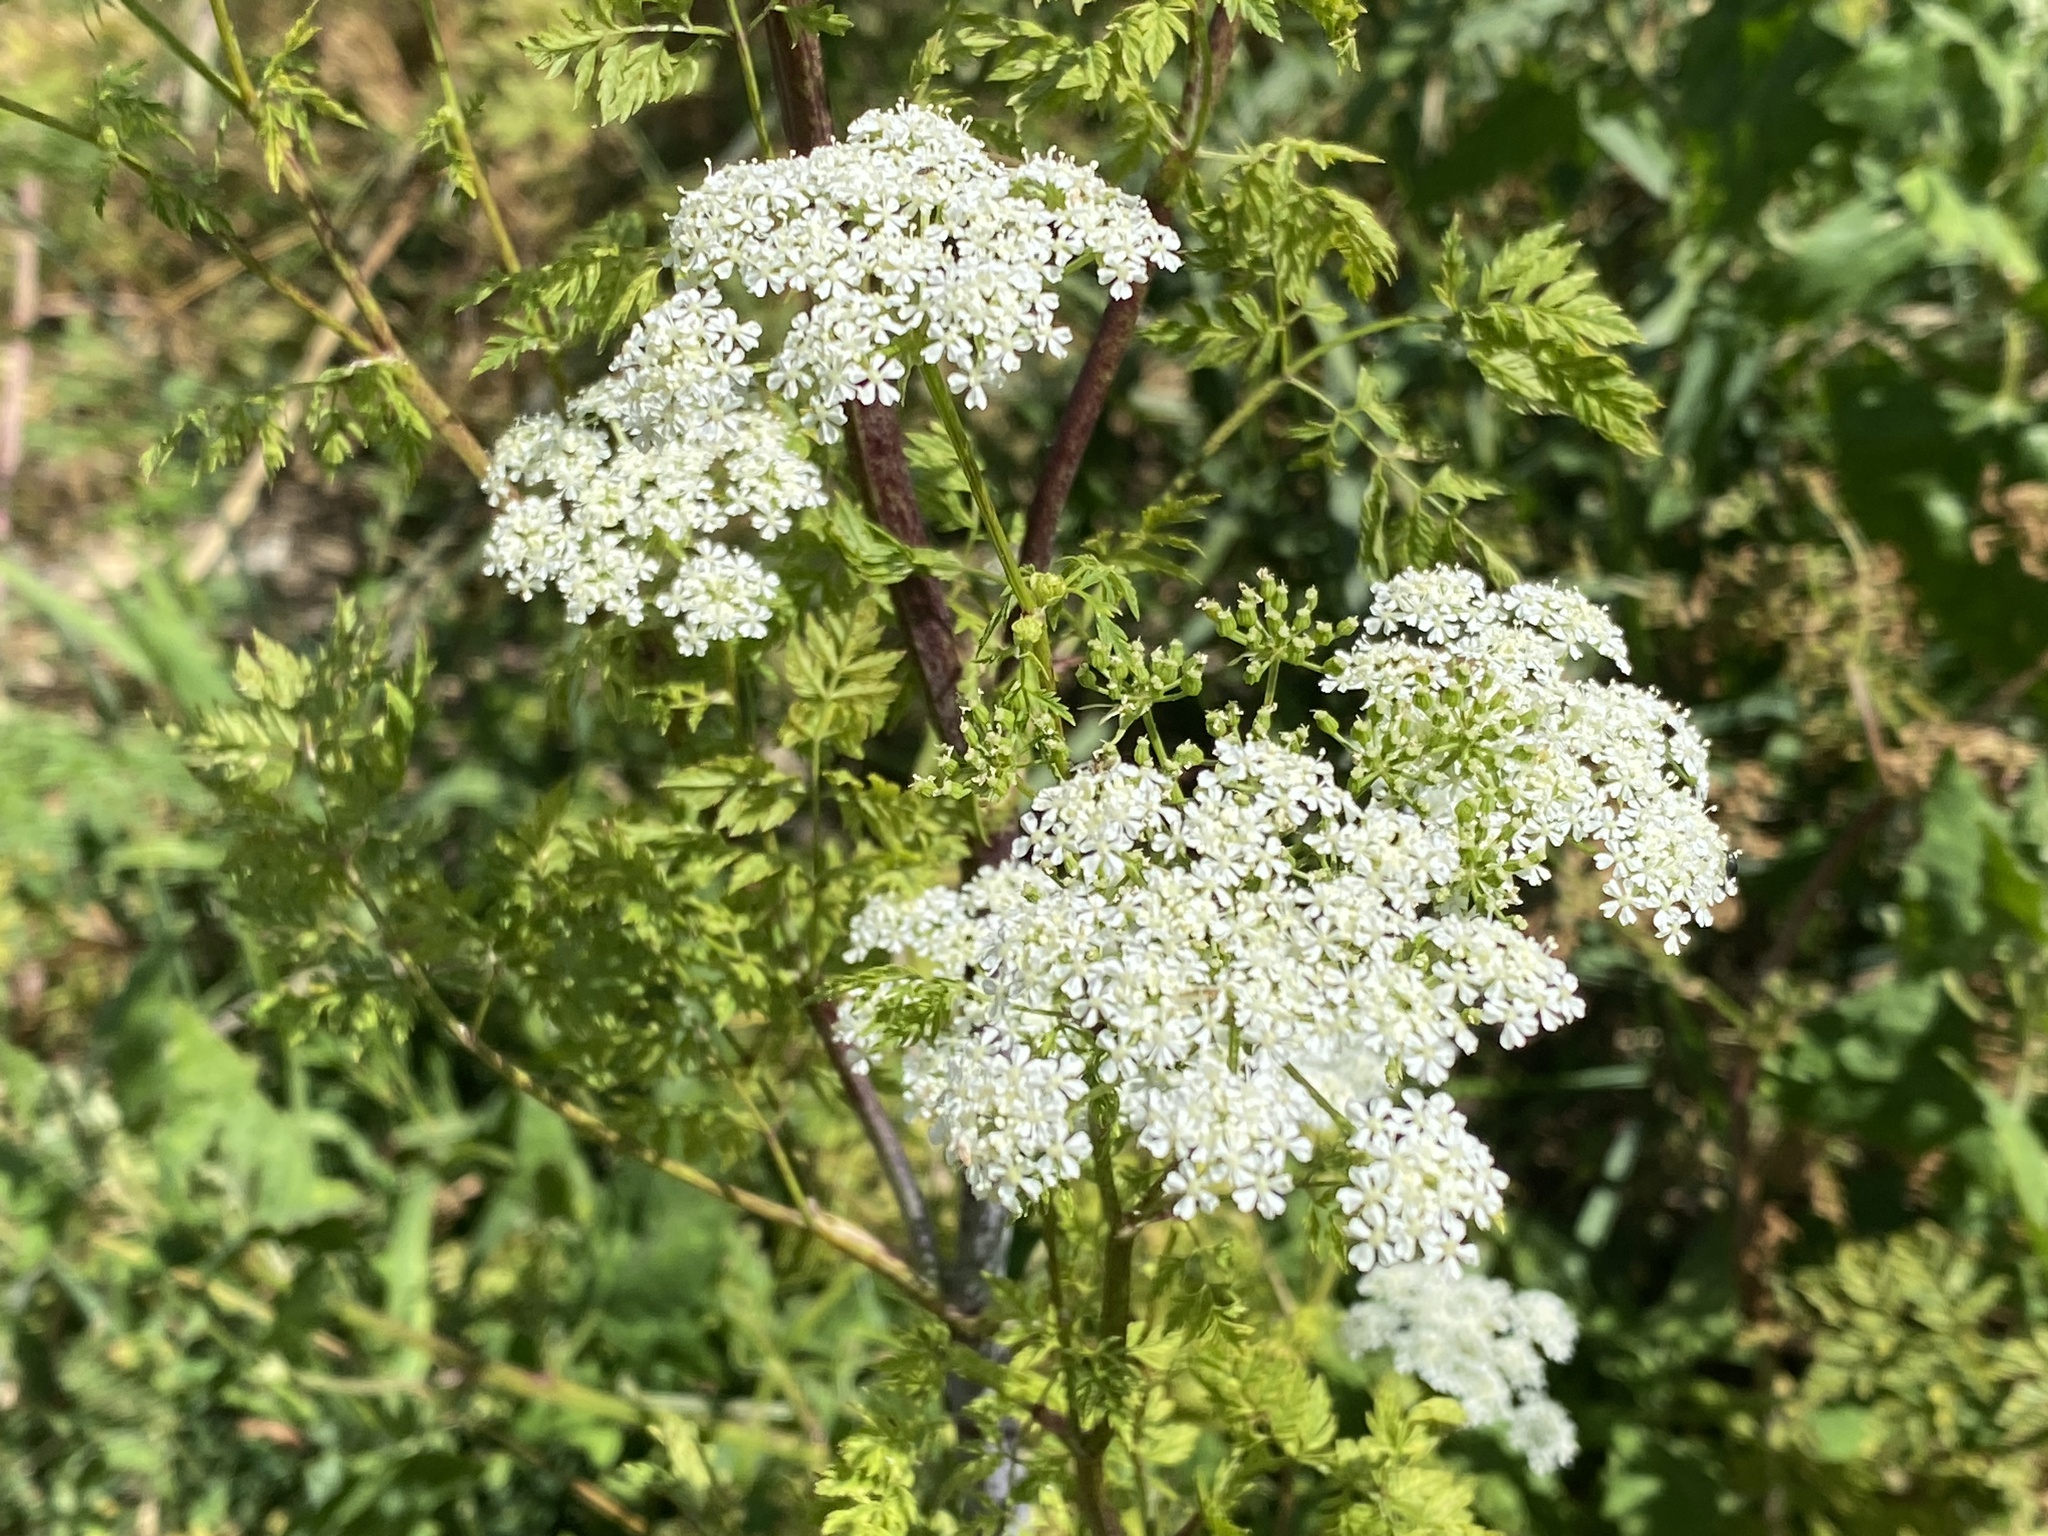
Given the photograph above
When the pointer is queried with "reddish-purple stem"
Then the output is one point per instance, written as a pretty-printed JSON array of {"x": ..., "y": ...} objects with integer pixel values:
[
  {"x": 1112, "y": 339},
  {"x": 875, "y": 432}
]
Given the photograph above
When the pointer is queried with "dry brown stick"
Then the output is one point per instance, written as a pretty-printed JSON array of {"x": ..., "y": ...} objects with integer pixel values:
[
  {"x": 2009, "y": 693},
  {"x": 14, "y": 369},
  {"x": 219, "y": 273},
  {"x": 836, "y": 1232},
  {"x": 243, "y": 497},
  {"x": 848, "y": 1238}
]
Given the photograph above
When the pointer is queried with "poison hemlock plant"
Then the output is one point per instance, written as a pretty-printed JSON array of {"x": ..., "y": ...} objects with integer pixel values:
[{"x": 1168, "y": 943}]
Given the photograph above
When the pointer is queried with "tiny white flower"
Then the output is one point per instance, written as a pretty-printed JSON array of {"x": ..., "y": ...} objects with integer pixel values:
[{"x": 1478, "y": 1340}]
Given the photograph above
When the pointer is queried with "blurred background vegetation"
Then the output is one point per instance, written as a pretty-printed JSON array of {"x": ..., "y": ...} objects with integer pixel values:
[{"x": 280, "y": 1280}]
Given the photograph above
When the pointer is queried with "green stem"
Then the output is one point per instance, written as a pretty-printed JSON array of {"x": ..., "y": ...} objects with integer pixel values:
[
  {"x": 1116, "y": 1264},
  {"x": 749, "y": 79},
  {"x": 185, "y": 54},
  {"x": 440, "y": 415},
  {"x": 1063, "y": 1317},
  {"x": 246, "y": 257},
  {"x": 231, "y": 50},
  {"x": 458, "y": 132},
  {"x": 1341, "y": 1121},
  {"x": 977, "y": 487},
  {"x": 1113, "y": 1324},
  {"x": 486, "y": 199},
  {"x": 1158, "y": 741},
  {"x": 742, "y": 710},
  {"x": 784, "y": 1169},
  {"x": 493, "y": 1374},
  {"x": 813, "y": 962},
  {"x": 984, "y": 504},
  {"x": 1266, "y": 389}
]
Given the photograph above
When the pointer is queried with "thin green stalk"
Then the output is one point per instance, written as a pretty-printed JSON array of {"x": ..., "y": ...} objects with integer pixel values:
[
  {"x": 847, "y": 1237},
  {"x": 185, "y": 54},
  {"x": 742, "y": 712},
  {"x": 1158, "y": 741},
  {"x": 784, "y": 1168},
  {"x": 248, "y": 259},
  {"x": 231, "y": 50},
  {"x": 1113, "y": 1324},
  {"x": 977, "y": 486},
  {"x": 241, "y": 94},
  {"x": 813, "y": 963},
  {"x": 1267, "y": 388},
  {"x": 984, "y": 504},
  {"x": 1115, "y": 1320},
  {"x": 554, "y": 1390},
  {"x": 1063, "y": 1317},
  {"x": 1341, "y": 1121},
  {"x": 458, "y": 132},
  {"x": 486, "y": 199},
  {"x": 439, "y": 414},
  {"x": 749, "y": 79}
]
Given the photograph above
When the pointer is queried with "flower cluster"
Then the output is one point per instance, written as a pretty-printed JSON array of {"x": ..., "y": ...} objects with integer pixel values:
[
  {"x": 1471, "y": 717},
  {"x": 1245, "y": 963},
  {"x": 1266, "y": 955},
  {"x": 910, "y": 243},
  {"x": 910, "y": 239},
  {"x": 1477, "y": 1340},
  {"x": 617, "y": 501}
]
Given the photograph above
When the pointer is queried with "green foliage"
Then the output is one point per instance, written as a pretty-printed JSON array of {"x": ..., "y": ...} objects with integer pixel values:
[
  {"x": 1390, "y": 1479},
  {"x": 347, "y": 409},
  {"x": 1543, "y": 335},
  {"x": 1916, "y": 1398},
  {"x": 353, "y": 981},
  {"x": 620, "y": 54},
  {"x": 1268, "y": 207},
  {"x": 287, "y": 97},
  {"x": 605, "y": 279},
  {"x": 842, "y": 682}
]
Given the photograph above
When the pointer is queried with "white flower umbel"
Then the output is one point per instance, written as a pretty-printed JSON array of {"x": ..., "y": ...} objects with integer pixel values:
[
  {"x": 1478, "y": 1340},
  {"x": 913, "y": 244},
  {"x": 1263, "y": 955},
  {"x": 910, "y": 244},
  {"x": 1236, "y": 961},
  {"x": 674, "y": 447},
  {"x": 1470, "y": 717}
]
